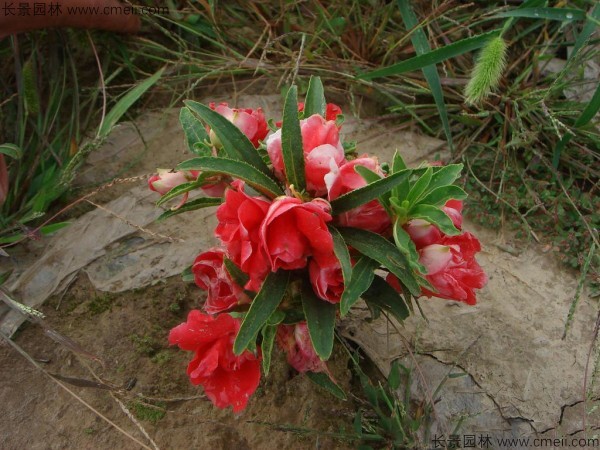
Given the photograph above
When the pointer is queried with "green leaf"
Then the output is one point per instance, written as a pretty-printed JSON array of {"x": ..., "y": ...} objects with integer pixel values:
[
  {"x": 394, "y": 376},
  {"x": 367, "y": 193},
  {"x": 125, "y": 102},
  {"x": 562, "y": 14},
  {"x": 194, "y": 131},
  {"x": 439, "y": 196},
  {"x": 433, "y": 57},
  {"x": 4, "y": 276},
  {"x": 385, "y": 297},
  {"x": 406, "y": 245},
  {"x": 362, "y": 277},
  {"x": 419, "y": 41},
  {"x": 435, "y": 216},
  {"x": 235, "y": 143},
  {"x": 237, "y": 275},
  {"x": 202, "y": 202},
  {"x": 323, "y": 380},
  {"x": 268, "y": 339},
  {"x": 52, "y": 228},
  {"x": 11, "y": 150},
  {"x": 291, "y": 141},
  {"x": 446, "y": 175},
  {"x": 383, "y": 251},
  {"x": 187, "y": 276},
  {"x": 320, "y": 318},
  {"x": 587, "y": 114},
  {"x": 264, "y": 304},
  {"x": 236, "y": 169},
  {"x": 183, "y": 188},
  {"x": 398, "y": 163},
  {"x": 420, "y": 187},
  {"x": 370, "y": 177},
  {"x": 587, "y": 30},
  {"x": 341, "y": 252},
  {"x": 315, "y": 98}
]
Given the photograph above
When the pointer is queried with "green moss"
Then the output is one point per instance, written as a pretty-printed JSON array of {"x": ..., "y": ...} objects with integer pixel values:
[{"x": 147, "y": 411}]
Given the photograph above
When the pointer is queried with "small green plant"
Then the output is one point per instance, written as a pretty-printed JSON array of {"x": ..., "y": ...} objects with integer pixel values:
[
  {"x": 162, "y": 357},
  {"x": 150, "y": 412},
  {"x": 145, "y": 344},
  {"x": 100, "y": 304}
]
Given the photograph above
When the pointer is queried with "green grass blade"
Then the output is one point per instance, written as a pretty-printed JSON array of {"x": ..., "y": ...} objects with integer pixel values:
[
  {"x": 125, "y": 102},
  {"x": 315, "y": 98},
  {"x": 11, "y": 150},
  {"x": 419, "y": 41},
  {"x": 433, "y": 57},
  {"x": 235, "y": 143},
  {"x": 587, "y": 30},
  {"x": 237, "y": 169},
  {"x": 264, "y": 304},
  {"x": 586, "y": 116},
  {"x": 562, "y": 14},
  {"x": 291, "y": 141}
]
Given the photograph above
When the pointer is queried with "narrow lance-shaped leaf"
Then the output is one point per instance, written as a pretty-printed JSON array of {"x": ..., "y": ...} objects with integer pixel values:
[
  {"x": 237, "y": 169},
  {"x": 315, "y": 98},
  {"x": 370, "y": 177},
  {"x": 367, "y": 193},
  {"x": 385, "y": 297},
  {"x": 291, "y": 141},
  {"x": 235, "y": 143},
  {"x": 125, "y": 102},
  {"x": 323, "y": 380},
  {"x": 362, "y": 277},
  {"x": 422, "y": 47},
  {"x": 383, "y": 251},
  {"x": 320, "y": 318},
  {"x": 420, "y": 187},
  {"x": 436, "y": 216},
  {"x": 341, "y": 252},
  {"x": 198, "y": 203},
  {"x": 185, "y": 187},
  {"x": 439, "y": 196},
  {"x": 194, "y": 130},
  {"x": 269, "y": 331},
  {"x": 433, "y": 57},
  {"x": 406, "y": 245},
  {"x": 443, "y": 176},
  {"x": 561, "y": 14},
  {"x": 237, "y": 275},
  {"x": 11, "y": 150},
  {"x": 264, "y": 304}
]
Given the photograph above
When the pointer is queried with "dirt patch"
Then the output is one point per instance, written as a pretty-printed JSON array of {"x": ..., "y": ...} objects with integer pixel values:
[{"x": 128, "y": 331}]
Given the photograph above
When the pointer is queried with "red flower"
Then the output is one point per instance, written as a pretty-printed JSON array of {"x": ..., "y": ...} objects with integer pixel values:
[
  {"x": 452, "y": 268},
  {"x": 251, "y": 122},
  {"x": 166, "y": 179},
  {"x": 292, "y": 231},
  {"x": 326, "y": 277},
  {"x": 301, "y": 355},
  {"x": 323, "y": 152},
  {"x": 240, "y": 218},
  {"x": 370, "y": 216},
  {"x": 331, "y": 112},
  {"x": 227, "y": 379},
  {"x": 211, "y": 275}
]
